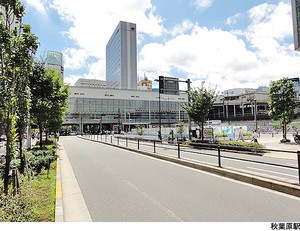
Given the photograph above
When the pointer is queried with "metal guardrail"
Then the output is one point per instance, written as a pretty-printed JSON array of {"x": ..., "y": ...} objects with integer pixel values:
[{"x": 211, "y": 146}]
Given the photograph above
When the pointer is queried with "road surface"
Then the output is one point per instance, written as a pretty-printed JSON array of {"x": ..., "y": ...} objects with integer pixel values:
[{"x": 119, "y": 185}]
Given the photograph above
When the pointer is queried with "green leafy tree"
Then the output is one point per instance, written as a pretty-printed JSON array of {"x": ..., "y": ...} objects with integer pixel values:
[
  {"x": 59, "y": 101},
  {"x": 282, "y": 102},
  {"x": 49, "y": 99},
  {"x": 180, "y": 128},
  {"x": 40, "y": 87},
  {"x": 16, "y": 46},
  {"x": 140, "y": 129},
  {"x": 201, "y": 102},
  {"x": 26, "y": 52}
]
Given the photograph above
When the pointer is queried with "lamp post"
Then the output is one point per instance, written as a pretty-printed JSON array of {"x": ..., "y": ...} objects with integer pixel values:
[
  {"x": 255, "y": 113},
  {"x": 253, "y": 99},
  {"x": 129, "y": 121}
]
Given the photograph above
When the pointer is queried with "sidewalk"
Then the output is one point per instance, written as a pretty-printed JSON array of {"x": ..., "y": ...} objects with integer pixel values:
[
  {"x": 274, "y": 143},
  {"x": 70, "y": 204}
]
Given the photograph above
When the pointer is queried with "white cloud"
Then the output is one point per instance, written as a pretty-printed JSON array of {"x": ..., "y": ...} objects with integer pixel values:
[
  {"x": 203, "y": 3},
  {"x": 38, "y": 5},
  {"x": 233, "y": 19},
  {"x": 224, "y": 58},
  {"x": 202, "y": 55},
  {"x": 94, "y": 21},
  {"x": 183, "y": 28}
]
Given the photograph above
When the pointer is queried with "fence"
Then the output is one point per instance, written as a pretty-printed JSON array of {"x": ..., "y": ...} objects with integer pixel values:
[{"x": 154, "y": 144}]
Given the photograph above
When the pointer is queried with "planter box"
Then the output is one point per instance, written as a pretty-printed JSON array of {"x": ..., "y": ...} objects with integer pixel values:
[{"x": 249, "y": 150}]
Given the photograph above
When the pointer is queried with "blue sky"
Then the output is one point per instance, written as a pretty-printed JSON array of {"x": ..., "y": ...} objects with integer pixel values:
[{"x": 228, "y": 44}]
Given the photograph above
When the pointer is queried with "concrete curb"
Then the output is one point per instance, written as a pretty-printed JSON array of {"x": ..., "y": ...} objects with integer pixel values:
[
  {"x": 59, "y": 214},
  {"x": 290, "y": 189}
]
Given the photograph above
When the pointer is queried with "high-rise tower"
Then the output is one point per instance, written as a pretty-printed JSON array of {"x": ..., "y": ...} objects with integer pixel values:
[
  {"x": 121, "y": 57},
  {"x": 54, "y": 61},
  {"x": 296, "y": 22}
]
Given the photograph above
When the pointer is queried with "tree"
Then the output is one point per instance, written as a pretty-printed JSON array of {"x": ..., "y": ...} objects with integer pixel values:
[
  {"x": 282, "y": 102},
  {"x": 180, "y": 128},
  {"x": 26, "y": 52},
  {"x": 140, "y": 129},
  {"x": 201, "y": 102},
  {"x": 15, "y": 49},
  {"x": 49, "y": 99},
  {"x": 59, "y": 100}
]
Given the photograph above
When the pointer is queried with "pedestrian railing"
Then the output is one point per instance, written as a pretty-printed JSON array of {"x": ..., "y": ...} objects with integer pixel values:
[{"x": 179, "y": 148}]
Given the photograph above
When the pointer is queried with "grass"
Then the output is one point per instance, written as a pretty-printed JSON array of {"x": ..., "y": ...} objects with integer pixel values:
[
  {"x": 44, "y": 188},
  {"x": 35, "y": 202}
]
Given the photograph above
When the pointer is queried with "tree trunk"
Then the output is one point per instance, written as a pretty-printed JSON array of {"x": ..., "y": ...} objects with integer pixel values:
[
  {"x": 284, "y": 130},
  {"x": 22, "y": 157},
  {"x": 41, "y": 135},
  {"x": 8, "y": 155},
  {"x": 202, "y": 130},
  {"x": 7, "y": 168}
]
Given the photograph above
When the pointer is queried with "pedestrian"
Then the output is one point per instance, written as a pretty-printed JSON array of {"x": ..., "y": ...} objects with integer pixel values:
[
  {"x": 159, "y": 135},
  {"x": 171, "y": 136},
  {"x": 241, "y": 135},
  {"x": 255, "y": 136}
]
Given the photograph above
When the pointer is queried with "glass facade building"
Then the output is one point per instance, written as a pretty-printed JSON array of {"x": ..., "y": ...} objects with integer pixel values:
[
  {"x": 121, "y": 57},
  {"x": 54, "y": 61},
  {"x": 105, "y": 108}
]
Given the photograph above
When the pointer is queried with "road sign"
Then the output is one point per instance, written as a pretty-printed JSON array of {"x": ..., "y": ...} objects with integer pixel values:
[{"x": 168, "y": 85}]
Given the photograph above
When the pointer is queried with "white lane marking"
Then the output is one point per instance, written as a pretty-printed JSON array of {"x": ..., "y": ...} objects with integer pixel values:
[{"x": 273, "y": 172}]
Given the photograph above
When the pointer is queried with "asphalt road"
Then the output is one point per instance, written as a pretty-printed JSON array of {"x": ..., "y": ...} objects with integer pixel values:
[{"x": 119, "y": 185}]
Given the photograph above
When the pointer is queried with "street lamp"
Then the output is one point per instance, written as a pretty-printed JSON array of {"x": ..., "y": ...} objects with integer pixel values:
[
  {"x": 129, "y": 121},
  {"x": 253, "y": 99}
]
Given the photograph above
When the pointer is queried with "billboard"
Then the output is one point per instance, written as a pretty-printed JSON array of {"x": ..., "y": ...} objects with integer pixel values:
[{"x": 145, "y": 85}]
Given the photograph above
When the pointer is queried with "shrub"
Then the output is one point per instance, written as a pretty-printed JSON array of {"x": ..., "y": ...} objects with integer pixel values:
[
  {"x": 21, "y": 207},
  {"x": 39, "y": 159},
  {"x": 222, "y": 134},
  {"x": 240, "y": 144},
  {"x": 248, "y": 133}
]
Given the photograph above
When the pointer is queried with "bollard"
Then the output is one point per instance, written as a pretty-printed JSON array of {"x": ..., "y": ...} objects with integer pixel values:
[
  {"x": 219, "y": 155},
  {"x": 138, "y": 144},
  {"x": 178, "y": 144},
  {"x": 154, "y": 147},
  {"x": 298, "y": 154},
  {"x": 126, "y": 141}
]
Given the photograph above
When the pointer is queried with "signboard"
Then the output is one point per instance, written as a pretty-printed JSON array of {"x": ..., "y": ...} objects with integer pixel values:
[
  {"x": 168, "y": 85},
  {"x": 208, "y": 133}
]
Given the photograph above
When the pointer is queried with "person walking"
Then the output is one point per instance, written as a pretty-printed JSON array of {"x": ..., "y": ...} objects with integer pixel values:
[
  {"x": 241, "y": 135},
  {"x": 255, "y": 137}
]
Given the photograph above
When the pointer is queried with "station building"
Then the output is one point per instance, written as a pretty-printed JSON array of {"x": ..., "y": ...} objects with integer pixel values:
[{"x": 98, "y": 109}]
